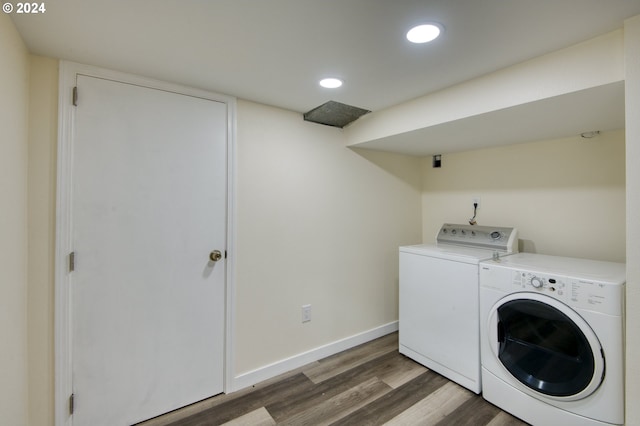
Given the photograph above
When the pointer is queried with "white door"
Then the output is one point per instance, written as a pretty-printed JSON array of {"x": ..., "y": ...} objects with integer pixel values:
[{"x": 149, "y": 205}]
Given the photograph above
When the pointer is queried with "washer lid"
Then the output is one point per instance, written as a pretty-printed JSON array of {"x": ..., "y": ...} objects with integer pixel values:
[{"x": 453, "y": 252}]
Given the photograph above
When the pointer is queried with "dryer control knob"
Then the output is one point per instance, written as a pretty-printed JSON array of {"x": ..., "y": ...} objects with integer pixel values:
[{"x": 537, "y": 282}]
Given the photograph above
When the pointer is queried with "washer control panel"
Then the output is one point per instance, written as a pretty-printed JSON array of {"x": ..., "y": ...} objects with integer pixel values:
[{"x": 492, "y": 237}]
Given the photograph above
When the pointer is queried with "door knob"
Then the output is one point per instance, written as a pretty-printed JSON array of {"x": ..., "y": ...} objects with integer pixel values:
[{"x": 215, "y": 255}]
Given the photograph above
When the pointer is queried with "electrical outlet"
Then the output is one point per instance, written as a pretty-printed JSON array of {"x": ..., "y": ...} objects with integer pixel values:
[
  {"x": 476, "y": 200},
  {"x": 306, "y": 313}
]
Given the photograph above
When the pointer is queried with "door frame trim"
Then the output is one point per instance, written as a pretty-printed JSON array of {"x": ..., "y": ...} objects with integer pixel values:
[{"x": 62, "y": 307}]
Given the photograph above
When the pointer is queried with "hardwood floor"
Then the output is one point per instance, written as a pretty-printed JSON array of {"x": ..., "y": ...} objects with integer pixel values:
[{"x": 371, "y": 384}]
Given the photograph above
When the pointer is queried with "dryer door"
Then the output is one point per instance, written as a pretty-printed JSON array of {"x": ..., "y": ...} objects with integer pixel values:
[{"x": 546, "y": 346}]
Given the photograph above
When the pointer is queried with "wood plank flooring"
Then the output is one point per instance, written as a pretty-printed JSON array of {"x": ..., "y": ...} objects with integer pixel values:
[{"x": 371, "y": 384}]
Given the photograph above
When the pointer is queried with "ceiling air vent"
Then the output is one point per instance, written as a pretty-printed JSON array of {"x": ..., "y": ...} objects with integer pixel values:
[{"x": 335, "y": 114}]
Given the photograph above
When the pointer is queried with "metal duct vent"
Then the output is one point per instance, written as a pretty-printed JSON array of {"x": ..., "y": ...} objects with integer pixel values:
[{"x": 335, "y": 114}]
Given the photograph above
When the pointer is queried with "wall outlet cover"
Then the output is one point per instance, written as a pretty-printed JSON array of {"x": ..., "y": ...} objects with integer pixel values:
[{"x": 306, "y": 313}]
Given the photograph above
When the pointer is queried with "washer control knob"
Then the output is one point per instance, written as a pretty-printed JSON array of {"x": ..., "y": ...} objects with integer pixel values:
[{"x": 537, "y": 282}]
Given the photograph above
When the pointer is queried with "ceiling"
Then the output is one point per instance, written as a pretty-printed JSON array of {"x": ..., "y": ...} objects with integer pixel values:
[{"x": 276, "y": 51}]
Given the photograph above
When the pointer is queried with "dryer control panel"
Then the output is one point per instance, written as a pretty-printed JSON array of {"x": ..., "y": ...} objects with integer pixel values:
[
  {"x": 579, "y": 293},
  {"x": 555, "y": 286}
]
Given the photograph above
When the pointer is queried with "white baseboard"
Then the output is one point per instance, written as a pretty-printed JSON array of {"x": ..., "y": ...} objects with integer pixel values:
[{"x": 268, "y": 371}]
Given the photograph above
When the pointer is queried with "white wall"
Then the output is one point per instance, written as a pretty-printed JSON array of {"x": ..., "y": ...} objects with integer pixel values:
[
  {"x": 565, "y": 196},
  {"x": 632, "y": 107},
  {"x": 43, "y": 136},
  {"x": 319, "y": 224},
  {"x": 14, "y": 94}
]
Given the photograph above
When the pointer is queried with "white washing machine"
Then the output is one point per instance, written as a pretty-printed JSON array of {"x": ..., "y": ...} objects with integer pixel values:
[
  {"x": 438, "y": 312},
  {"x": 552, "y": 339}
]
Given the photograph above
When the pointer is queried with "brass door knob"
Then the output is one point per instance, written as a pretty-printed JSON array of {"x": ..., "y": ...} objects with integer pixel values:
[{"x": 215, "y": 255}]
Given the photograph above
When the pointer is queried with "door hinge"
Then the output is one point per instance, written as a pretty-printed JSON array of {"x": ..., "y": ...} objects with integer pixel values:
[
  {"x": 72, "y": 403},
  {"x": 225, "y": 254},
  {"x": 75, "y": 96},
  {"x": 72, "y": 261}
]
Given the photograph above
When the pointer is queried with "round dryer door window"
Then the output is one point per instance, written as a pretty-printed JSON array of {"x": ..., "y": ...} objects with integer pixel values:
[{"x": 546, "y": 346}]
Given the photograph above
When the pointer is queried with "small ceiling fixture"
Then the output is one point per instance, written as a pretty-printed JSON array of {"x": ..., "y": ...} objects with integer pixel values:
[
  {"x": 424, "y": 33},
  {"x": 331, "y": 83}
]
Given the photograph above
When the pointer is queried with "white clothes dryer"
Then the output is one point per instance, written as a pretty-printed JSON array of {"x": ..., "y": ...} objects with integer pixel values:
[
  {"x": 438, "y": 309},
  {"x": 552, "y": 339}
]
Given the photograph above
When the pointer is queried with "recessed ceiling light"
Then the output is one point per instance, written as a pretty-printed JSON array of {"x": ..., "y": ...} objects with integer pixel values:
[
  {"x": 423, "y": 33},
  {"x": 331, "y": 83}
]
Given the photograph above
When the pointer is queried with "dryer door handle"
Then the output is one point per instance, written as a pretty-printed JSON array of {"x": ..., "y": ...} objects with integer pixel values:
[{"x": 500, "y": 332}]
